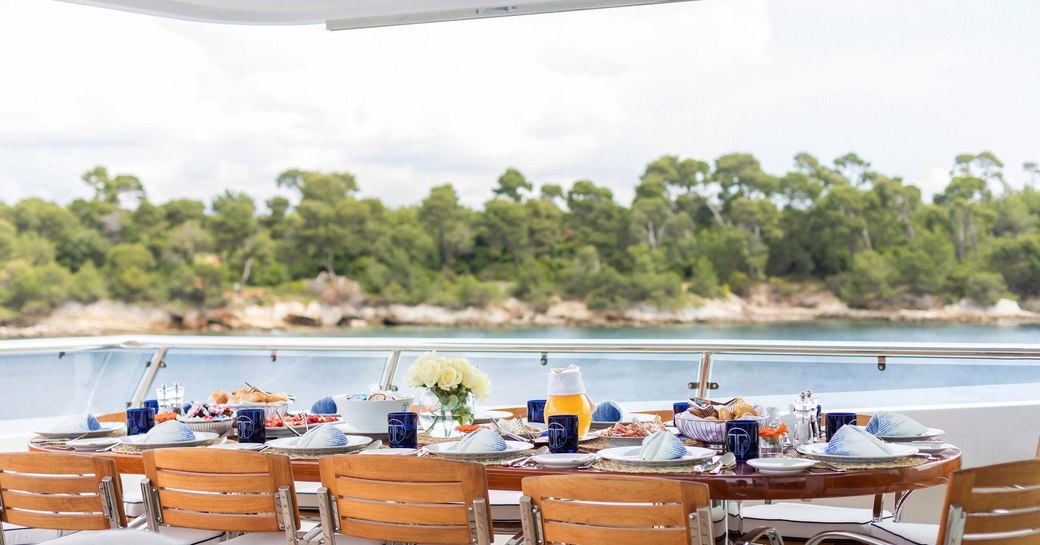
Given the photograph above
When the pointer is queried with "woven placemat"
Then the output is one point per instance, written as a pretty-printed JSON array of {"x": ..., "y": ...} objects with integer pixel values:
[
  {"x": 906, "y": 461},
  {"x": 597, "y": 445},
  {"x": 610, "y": 465}
]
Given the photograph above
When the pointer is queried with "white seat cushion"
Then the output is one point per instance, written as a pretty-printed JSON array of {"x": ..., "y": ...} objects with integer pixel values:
[
  {"x": 176, "y": 536},
  {"x": 116, "y": 537},
  {"x": 20, "y": 535},
  {"x": 505, "y": 504},
  {"x": 906, "y": 533},
  {"x": 804, "y": 520}
]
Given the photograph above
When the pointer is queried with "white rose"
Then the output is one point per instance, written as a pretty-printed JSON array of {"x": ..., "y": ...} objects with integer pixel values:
[
  {"x": 429, "y": 370},
  {"x": 449, "y": 378},
  {"x": 413, "y": 376},
  {"x": 482, "y": 389},
  {"x": 470, "y": 378}
]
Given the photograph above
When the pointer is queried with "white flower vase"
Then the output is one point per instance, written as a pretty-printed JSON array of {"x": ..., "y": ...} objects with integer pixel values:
[{"x": 441, "y": 412}]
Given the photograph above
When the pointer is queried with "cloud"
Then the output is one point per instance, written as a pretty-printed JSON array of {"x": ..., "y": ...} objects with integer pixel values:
[{"x": 194, "y": 108}]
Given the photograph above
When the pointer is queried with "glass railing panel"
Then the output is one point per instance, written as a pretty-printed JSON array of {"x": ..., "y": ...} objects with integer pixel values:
[
  {"x": 307, "y": 375},
  {"x": 858, "y": 381},
  {"x": 46, "y": 385},
  {"x": 518, "y": 377}
]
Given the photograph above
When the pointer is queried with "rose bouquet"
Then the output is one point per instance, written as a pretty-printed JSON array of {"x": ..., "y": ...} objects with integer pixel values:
[{"x": 454, "y": 383}]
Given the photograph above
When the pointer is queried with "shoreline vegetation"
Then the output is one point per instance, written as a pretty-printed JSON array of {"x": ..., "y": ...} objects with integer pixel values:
[
  {"x": 719, "y": 241},
  {"x": 242, "y": 316}
]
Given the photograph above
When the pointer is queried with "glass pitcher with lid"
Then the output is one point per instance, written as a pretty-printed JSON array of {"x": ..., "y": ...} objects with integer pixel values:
[{"x": 567, "y": 396}]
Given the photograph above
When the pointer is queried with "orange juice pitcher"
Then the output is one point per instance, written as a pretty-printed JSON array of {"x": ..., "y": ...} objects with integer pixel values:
[{"x": 567, "y": 396}]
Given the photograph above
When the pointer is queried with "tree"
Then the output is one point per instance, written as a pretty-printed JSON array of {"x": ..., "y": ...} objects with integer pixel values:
[
  {"x": 111, "y": 190},
  {"x": 511, "y": 183},
  {"x": 446, "y": 219},
  {"x": 233, "y": 221},
  {"x": 507, "y": 229}
]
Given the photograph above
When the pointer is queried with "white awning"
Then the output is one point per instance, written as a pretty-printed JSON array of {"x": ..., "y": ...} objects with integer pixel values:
[{"x": 349, "y": 14}]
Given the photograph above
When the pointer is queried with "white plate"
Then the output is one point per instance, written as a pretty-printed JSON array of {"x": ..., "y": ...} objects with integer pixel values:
[
  {"x": 106, "y": 428},
  {"x": 391, "y": 451},
  {"x": 630, "y": 456},
  {"x": 780, "y": 466},
  {"x": 543, "y": 439},
  {"x": 288, "y": 444},
  {"x": 201, "y": 438},
  {"x": 563, "y": 461},
  {"x": 819, "y": 451},
  {"x": 930, "y": 447},
  {"x": 240, "y": 446},
  {"x": 446, "y": 450},
  {"x": 928, "y": 434},
  {"x": 93, "y": 444}
]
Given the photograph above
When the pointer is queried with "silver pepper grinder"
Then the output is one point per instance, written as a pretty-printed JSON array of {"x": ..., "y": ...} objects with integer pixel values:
[{"x": 806, "y": 423}]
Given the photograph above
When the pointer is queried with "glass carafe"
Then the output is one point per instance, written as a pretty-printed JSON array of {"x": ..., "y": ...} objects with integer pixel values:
[{"x": 567, "y": 396}]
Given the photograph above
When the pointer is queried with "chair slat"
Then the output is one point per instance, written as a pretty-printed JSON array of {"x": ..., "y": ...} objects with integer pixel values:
[
  {"x": 401, "y": 492},
  {"x": 220, "y": 521},
  {"x": 610, "y": 488},
  {"x": 403, "y": 513},
  {"x": 206, "y": 482},
  {"x": 1007, "y": 498},
  {"x": 44, "y": 484},
  {"x": 47, "y": 463},
  {"x": 613, "y": 515},
  {"x": 57, "y": 503},
  {"x": 191, "y": 460},
  {"x": 53, "y": 521},
  {"x": 1002, "y": 522},
  {"x": 441, "y": 535},
  {"x": 576, "y": 534},
  {"x": 1024, "y": 473},
  {"x": 218, "y": 503},
  {"x": 1025, "y": 539}
]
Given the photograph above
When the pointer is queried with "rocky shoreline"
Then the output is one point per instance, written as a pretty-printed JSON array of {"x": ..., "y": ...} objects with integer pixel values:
[{"x": 108, "y": 317}]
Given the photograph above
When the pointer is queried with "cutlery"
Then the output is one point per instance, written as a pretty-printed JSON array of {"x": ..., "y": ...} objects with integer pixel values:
[
  {"x": 589, "y": 464},
  {"x": 373, "y": 445},
  {"x": 508, "y": 434},
  {"x": 726, "y": 461},
  {"x": 831, "y": 467},
  {"x": 513, "y": 462},
  {"x": 710, "y": 464}
]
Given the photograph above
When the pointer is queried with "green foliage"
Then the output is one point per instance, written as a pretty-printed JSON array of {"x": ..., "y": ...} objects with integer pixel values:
[{"x": 708, "y": 225}]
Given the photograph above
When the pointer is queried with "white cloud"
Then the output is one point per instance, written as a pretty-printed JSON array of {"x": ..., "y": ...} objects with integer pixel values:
[{"x": 193, "y": 109}]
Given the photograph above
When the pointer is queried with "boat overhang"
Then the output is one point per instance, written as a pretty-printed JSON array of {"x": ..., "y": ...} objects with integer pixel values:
[{"x": 350, "y": 14}]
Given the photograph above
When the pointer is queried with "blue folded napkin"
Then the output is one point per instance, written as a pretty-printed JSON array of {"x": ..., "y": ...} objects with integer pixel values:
[
  {"x": 607, "y": 411},
  {"x": 325, "y": 405}
]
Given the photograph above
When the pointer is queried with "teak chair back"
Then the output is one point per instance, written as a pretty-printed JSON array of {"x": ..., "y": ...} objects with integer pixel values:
[
  {"x": 221, "y": 490},
  {"x": 992, "y": 505},
  {"x": 615, "y": 510},
  {"x": 59, "y": 492},
  {"x": 664, "y": 414},
  {"x": 412, "y": 500},
  {"x": 118, "y": 416}
]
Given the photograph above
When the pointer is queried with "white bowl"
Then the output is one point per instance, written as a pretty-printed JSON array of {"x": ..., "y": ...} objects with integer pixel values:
[
  {"x": 218, "y": 425},
  {"x": 364, "y": 416}
]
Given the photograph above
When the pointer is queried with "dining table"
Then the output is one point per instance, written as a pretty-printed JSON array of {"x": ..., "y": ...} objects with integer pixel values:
[{"x": 740, "y": 483}]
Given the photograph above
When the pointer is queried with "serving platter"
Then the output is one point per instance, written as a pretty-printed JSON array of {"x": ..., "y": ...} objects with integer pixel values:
[
  {"x": 288, "y": 444},
  {"x": 106, "y": 429},
  {"x": 202, "y": 438},
  {"x": 446, "y": 450},
  {"x": 629, "y": 456},
  {"x": 819, "y": 452},
  {"x": 628, "y": 441},
  {"x": 563, "y": 461},
  {"x": 928, "y": 434}
]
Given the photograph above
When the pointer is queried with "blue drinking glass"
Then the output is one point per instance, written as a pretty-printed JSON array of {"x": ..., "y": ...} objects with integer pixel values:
[
  {"x": 139, "y": 420},
  {"x": 252, "y": 426},
  {"x": 742, "y": 439},
  {"x": 151, "y": 403},
  {"x": 403, "y": 429},
  {"x": 563, "y": 433},
  {"x": 679, "y": 407},
  {"x": 536, "y": 410},
  {"x": 836, "y": 420}
]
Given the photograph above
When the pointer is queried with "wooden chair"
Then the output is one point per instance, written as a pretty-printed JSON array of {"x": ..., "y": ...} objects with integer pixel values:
[
  {"x": 118, "y": 416},
  {"x": 618, "y": 510},
  {"x": 221, "y": 490},
  {"x": 517, "y": 412},
  {"x": 59, "y": 492},
  {"x": 412, "y": 500},
  {"x": 664, "y": 414},
  {"x": 992, "y": 505}
]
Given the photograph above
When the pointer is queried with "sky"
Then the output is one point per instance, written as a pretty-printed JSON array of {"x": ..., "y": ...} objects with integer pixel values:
[{"x": 193, "y": 109}]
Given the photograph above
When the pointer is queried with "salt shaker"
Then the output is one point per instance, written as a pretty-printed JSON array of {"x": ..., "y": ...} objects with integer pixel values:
[{"x": 806, "y": 427}]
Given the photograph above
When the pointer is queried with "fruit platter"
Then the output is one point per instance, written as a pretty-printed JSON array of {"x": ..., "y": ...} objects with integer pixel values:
[{"x": 252, "y": 397}]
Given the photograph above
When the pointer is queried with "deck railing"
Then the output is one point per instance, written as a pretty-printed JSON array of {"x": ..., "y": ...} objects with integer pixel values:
[{"x": 703, "y": 350}]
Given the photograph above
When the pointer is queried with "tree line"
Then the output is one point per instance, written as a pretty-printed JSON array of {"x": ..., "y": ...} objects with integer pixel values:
[{"x": 694, "y": 229}]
